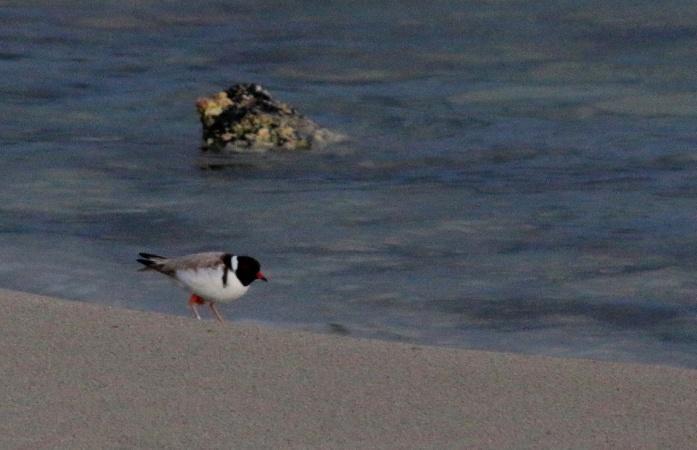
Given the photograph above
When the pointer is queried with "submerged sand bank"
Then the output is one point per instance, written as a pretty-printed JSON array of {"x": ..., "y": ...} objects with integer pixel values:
[{"x": 78, "y": 375}]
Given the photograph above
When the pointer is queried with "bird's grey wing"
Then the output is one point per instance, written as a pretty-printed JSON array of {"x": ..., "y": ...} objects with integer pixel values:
[{"x": 195, "y": 261}]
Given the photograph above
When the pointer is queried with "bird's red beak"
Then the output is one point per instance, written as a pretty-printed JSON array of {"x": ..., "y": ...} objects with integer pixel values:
[{"x": 260, "y": 276}]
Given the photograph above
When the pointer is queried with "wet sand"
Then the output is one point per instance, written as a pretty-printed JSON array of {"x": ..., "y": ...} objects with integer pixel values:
[{"x": 78, "y": 375}]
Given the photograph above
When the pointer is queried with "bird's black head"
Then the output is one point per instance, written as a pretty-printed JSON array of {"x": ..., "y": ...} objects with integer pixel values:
[{"x": 248, "y": 270}]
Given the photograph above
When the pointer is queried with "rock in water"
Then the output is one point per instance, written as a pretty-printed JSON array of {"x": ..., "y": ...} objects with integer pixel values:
[{"x": 246, "y": 117}]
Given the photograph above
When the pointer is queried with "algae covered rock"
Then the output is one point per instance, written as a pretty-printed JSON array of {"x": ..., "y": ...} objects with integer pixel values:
[{"x": 246, "y": 117}]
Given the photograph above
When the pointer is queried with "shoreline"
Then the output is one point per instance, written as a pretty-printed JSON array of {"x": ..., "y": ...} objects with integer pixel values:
[{"x": 80, "y": 375}]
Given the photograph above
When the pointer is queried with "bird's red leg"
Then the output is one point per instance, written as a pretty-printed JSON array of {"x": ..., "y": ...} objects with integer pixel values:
[
  {"x": 193, "y": 301},
  {"x": 215, "y": 311}
]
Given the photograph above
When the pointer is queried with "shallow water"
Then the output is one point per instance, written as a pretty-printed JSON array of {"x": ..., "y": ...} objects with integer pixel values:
[{"x": 520, "y": 175}]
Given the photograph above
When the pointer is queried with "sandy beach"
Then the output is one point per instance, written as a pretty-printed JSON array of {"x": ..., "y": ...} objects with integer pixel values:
[{"x": 79, "y": 375}]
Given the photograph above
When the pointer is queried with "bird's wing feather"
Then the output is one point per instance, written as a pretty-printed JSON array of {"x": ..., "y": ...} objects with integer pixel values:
[{"x": 193, "y": 262}]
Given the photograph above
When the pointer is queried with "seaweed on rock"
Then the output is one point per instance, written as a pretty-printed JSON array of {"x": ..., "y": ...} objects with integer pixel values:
[{"x": 246, "y": 117}]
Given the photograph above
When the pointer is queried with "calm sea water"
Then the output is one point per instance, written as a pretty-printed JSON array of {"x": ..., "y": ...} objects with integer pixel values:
[{"x": 521, "y": 176}]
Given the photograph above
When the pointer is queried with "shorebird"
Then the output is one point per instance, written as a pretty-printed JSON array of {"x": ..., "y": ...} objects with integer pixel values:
[{"x": 211, "y": 277}]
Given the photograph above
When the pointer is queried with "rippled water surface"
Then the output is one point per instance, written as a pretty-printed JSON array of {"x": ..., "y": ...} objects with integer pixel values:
[{"x": 521, "y": 176}]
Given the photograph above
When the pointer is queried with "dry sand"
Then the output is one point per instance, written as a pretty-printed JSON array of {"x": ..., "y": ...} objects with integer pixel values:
[{"x": 78, "y": 375}]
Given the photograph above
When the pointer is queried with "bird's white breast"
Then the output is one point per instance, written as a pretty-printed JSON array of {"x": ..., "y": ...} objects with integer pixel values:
[{"x": 208, "y": 283}]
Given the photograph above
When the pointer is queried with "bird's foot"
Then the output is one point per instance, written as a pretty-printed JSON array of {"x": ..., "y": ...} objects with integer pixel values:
[{"x": 215, "y": 311}]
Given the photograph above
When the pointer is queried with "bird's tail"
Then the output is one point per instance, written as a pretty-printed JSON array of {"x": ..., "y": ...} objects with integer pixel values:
[{"x": 150, "y": 261}]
